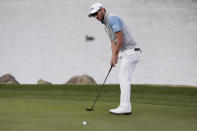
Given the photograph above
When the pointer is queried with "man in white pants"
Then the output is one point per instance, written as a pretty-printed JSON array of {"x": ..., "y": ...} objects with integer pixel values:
[{"x": 124, "y": 47}]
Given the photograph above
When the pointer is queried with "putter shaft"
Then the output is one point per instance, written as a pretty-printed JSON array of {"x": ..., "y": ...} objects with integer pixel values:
[{"x": 100, "y": 91}]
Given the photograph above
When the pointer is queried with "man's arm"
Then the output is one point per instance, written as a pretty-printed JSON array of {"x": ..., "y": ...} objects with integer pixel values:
[{"x": 116, "y": 47}]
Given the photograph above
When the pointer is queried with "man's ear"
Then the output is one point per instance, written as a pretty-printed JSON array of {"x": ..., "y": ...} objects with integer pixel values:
[{"x": 102, "y": 10}]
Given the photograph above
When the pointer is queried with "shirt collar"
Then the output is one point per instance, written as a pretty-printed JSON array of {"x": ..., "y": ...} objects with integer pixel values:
[{"x": 105, "y": 18}]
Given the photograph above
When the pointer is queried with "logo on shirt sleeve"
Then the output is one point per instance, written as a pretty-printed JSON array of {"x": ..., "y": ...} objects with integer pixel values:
[{"x": 115, "y": 27}]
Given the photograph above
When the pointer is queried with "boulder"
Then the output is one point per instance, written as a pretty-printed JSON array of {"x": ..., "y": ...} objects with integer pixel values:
[
  {"x": 8, "y": 79},
  {"x": 81, "y": 80},
  {"x": 43, "y": 82},
  {"x": 11, "y": 82}
]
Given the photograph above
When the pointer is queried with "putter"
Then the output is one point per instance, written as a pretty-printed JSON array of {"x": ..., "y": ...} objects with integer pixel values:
[{"x": 91, "y": 109}]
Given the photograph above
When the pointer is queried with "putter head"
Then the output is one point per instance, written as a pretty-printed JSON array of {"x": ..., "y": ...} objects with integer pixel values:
[{"x": 89, "y": 109}]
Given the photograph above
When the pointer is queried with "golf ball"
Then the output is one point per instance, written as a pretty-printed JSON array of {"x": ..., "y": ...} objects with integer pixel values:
[{"x": 84, "y": 122}]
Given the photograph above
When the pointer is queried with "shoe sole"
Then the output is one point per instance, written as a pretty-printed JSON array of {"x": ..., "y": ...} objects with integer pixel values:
[{"x": 129, "y": 113}]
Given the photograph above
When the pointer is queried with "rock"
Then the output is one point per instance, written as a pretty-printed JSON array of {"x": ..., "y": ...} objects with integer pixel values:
[
  {"x": 81, "y": 80},
  {"x": 11, "y": 82},
  {"x": 43, "y": 82},
  {"x": 8, "y": 79}
]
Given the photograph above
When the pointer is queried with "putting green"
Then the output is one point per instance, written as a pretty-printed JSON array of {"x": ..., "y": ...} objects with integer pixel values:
[{"x": 26, "y": 109}]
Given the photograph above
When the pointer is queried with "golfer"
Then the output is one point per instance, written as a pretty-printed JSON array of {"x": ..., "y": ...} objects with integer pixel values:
[{"x": 124, "y": 47}]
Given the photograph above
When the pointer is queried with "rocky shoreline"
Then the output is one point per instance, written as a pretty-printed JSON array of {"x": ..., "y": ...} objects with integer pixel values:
[{"x": 79, "y": 80}]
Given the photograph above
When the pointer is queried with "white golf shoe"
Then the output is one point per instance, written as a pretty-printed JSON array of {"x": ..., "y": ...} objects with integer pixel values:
[{"x": 122, "y": 110}]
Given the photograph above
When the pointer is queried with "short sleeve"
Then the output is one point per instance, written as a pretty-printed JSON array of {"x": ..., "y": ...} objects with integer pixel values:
[{"x": 115, "y": 24}]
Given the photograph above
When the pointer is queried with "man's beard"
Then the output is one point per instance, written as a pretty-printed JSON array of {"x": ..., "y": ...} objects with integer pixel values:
[{"x": 102, "y": 17}]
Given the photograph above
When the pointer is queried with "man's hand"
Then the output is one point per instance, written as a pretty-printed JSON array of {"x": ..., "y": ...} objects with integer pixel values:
[{"x": 114, "y": 60}]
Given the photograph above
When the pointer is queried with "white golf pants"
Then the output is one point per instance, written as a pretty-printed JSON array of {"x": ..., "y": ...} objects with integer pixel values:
[{"x": 129, "y": 59}]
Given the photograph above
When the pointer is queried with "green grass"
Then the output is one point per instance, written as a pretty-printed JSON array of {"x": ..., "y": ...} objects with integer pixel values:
[{"x": 62, "y": 107}]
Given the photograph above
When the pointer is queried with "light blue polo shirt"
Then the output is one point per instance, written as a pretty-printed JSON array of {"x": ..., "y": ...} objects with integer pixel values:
[{"x": 114, "y": 24}]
